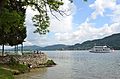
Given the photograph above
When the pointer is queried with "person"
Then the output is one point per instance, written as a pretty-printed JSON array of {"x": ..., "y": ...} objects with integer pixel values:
[
  {"x": 29, "y": 66},
  {"x": 34, "y": 51},
  {"x": 37, "y": 51}
]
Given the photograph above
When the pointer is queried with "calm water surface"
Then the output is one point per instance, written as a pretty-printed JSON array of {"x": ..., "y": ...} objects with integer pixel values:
[{"x": 79, "y": 65}]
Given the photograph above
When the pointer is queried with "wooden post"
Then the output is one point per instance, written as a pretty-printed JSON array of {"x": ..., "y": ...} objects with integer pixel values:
[
  {"x": 22, "y": 48},
  {"x": 2, "y": 49}
]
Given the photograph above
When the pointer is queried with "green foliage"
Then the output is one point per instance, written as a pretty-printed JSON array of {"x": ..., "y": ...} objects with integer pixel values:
[
  {"x": 42, "y": 26},
  {"x": 11, "y": 68},
  {"x": 12, "y": 17},
  {"x": 14, "y": 64},
  {"x": 54, "y": 4},
  {"x": 50, "y": 63},
  {"x": 17, "y": 36},
  {"x": 41, "y": 21},
  {"x": 20, "y": 67},
  {"x": 5, "y": 74},
  {"x": 12, "y": 30},
  {"x": 9, "y": 19}
]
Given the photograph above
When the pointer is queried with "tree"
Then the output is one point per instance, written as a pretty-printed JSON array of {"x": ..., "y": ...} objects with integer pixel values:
[
  {"x": 11, "y": 27},
  {"x": 41, "y": 21},
  {"x": 17, "y": 37},
  {"x": 16, "y": 9},
  {"x": 12, "y": 16}
]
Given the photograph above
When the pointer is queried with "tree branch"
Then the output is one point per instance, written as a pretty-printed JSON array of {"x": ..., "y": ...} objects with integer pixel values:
[{"x": 53, "y": 14}]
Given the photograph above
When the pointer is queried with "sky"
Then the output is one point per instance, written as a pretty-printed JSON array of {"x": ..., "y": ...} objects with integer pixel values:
[{"x": 89, "y": 20}]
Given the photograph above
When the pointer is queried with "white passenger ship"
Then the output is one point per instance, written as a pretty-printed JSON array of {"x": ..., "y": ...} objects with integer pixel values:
[{"x": 100, "y": 49}]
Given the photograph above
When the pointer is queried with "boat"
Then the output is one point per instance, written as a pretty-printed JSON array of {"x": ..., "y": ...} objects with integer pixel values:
[{"x": 100, "y": 49}]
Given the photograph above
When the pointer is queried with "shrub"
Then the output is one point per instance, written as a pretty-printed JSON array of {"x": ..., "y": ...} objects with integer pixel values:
[{"x": 50, "y": 63}]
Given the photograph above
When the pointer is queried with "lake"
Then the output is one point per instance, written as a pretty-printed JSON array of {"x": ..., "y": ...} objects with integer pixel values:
[{"x": 78, "y": 65}]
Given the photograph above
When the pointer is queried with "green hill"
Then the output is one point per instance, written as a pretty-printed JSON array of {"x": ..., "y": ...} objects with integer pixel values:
[
  {"x": 112, "y": 41},
  {"x": 54, "y": 47}
]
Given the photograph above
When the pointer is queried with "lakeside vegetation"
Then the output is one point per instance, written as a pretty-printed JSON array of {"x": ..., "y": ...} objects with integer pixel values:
[
  {"x": 5, "y": 74},
  {"x": 13, "y": 67},
  {"x": 7, "y": 70}
]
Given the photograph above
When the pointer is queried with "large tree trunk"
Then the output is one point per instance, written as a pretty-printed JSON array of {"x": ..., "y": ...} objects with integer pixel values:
[{"x": 2, "y": 49}]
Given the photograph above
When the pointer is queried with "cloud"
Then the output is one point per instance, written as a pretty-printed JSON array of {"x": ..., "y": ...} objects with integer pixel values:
[
  {"x": 100, "y": 6},
  {"x": 64, "y": 24},
  {"x": 64, "y": 32},
  {"x": 115, "y": 16},
  {"x": 87, "y": 31}
]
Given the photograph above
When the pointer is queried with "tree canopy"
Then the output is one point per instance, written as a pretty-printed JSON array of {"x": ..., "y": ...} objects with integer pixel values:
[
  {"x": 10, "y": 25},
  {"x": 12, "y": 29},
  {"x": 41, "y": 20},
  {"x": 12, "y": 17}
]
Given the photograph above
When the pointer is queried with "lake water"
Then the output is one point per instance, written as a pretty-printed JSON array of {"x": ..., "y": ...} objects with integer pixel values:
[{"x": 78, "y": 65}]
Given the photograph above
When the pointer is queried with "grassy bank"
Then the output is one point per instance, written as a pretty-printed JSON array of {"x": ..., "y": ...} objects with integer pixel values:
[
  {"x": 6, "y": 74},
  {"x": 8, "y": 70},
  {"x": 12, "y": 67}
]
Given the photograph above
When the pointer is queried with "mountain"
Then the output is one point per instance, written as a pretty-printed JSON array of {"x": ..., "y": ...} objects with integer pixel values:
[
  {"x": 54, "y": 47},
  {"x": 27, "y": 48},
  {"x": 34, "y": 47},
  {"x": 112, "y": 41}
]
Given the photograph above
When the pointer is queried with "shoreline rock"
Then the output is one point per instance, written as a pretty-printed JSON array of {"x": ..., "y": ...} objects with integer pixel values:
[{"x": 32, "y": 61}]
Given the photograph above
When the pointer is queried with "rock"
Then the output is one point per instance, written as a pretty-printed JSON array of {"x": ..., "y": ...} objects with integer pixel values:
[{"x": 33, "y": 60}]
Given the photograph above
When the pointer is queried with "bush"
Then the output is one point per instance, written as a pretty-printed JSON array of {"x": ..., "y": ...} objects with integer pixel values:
[{"x": 50, "y": 63}]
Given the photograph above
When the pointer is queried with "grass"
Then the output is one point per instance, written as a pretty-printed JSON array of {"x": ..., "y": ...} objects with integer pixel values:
[
  {"x": 6, "y": 74},
  {"x": 7, "y": 71},
  {"x": 12, "y": 68},
  {"x": 20, "y": 67},
  {"x": 13, "y": 64}
]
